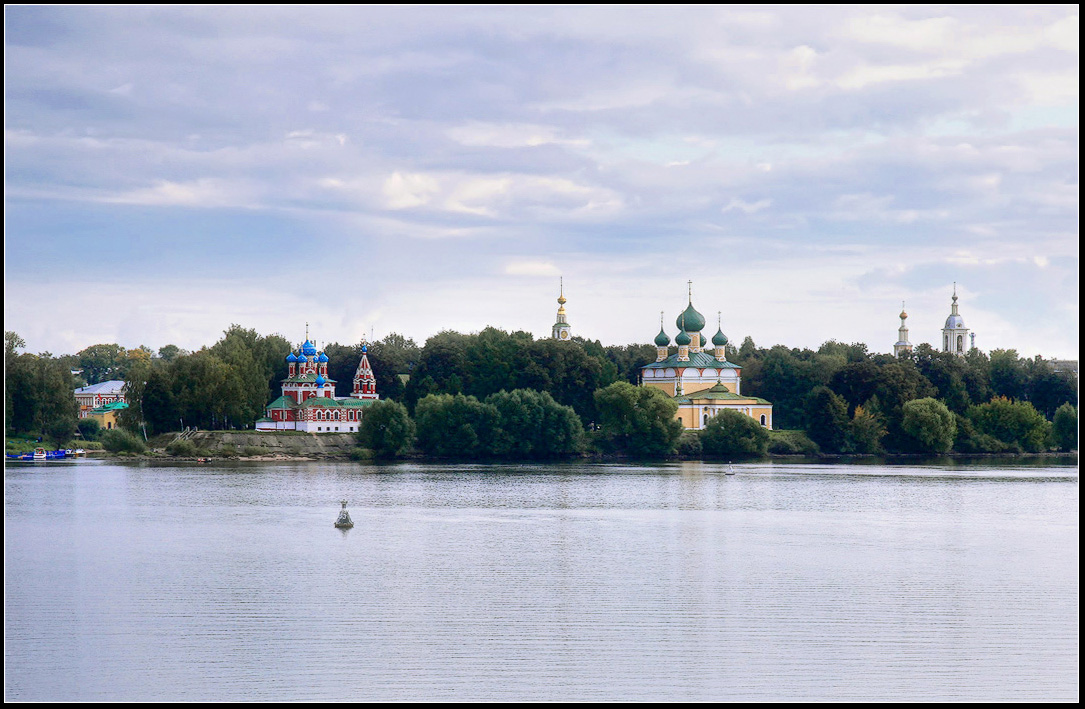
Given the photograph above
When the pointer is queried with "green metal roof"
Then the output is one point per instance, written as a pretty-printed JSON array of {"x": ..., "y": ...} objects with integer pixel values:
[
  {"x": 325, "y": 401},
  {"x": 353, "y": 403},
  {"x": 719, "y": 392},
  {"x": 283, "y": 402},
  {"x": 115, "y": 406},
  {"x": 700, "y": 360}
]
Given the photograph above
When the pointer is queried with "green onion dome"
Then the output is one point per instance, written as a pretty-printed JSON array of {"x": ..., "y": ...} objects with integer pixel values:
[
  {"x": 690, "y": 320},
  {"x": 662, "y": 339},
  {"x": 683, "y": 339},
  {"x": 719, "y": 339}
]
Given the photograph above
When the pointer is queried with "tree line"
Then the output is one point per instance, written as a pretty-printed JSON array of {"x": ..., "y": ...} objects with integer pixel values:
[{"x": 843, "y": 398}]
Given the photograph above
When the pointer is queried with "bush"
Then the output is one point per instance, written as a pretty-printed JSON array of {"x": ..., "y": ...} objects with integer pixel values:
[
  {"x": 731, "y": 434},
  {"x": 386, "y": 429},
  {"x": 89, "y": 429},
  {"x": 253, "y": 451},
  {"x": 689, "y": 444},
  {"x": 360, "y": 454},
  {"x": 118, "y": 440},
  {"x": 182, "y": 449},
  {"x": 929, "y": 425},
  {"x": 785, "y": 442}
]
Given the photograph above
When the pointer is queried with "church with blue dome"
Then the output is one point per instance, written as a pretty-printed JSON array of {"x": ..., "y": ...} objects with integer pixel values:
[
  {"x": 699, "y": 378},
  {"x": 308, "y": 402}
]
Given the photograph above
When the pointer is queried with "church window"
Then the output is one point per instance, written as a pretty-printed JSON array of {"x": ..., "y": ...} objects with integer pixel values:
[
  {"x": 763, "y": 419},
  {"x": 960, "y": 343}
]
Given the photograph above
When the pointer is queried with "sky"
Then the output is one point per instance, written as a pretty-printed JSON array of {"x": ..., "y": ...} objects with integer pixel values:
[{"x": 170, "y": 171}]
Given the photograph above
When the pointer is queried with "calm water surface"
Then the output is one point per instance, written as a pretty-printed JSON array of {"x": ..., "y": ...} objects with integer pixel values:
[{"x": 673, "y": 582}]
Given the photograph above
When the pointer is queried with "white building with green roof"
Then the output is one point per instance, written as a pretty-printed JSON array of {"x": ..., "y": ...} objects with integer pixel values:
[{"x": 308, "y": 402}]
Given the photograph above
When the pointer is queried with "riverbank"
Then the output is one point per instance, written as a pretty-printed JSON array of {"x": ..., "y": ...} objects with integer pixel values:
[{"x": 252, "y": 446}]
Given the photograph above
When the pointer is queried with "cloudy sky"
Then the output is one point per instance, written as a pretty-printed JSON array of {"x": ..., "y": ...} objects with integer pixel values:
[{"x": 170, "y": 171}]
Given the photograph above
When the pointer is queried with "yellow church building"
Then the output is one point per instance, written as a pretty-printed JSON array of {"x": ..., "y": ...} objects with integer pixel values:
[{"x": 702, "y": 382}]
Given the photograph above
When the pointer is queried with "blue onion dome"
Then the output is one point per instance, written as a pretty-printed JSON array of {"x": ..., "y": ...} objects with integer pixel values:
[
  {"x": 683, "y": 339},
  {"x": 291, "y": 357},
  {"x": 308, "y": 349},
  {"x": 320, "y": 380},
  {"x": 719, "y": 339},
  {"x": 690, "y": 320},
  {"x": 322, "y": 358},
  {"x": 662, "y": 339},
  {"x": 364, "y": 349}
]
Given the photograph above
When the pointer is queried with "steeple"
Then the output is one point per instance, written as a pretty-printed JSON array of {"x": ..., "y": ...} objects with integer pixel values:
[
  {"x": 663, "y": 341},
  {"x": 955, "y": 334},
  {"x": 902, "y": 345},
  {"x": 365, "y": 384},
  {"x": 719, "y": 340},
  {"x": 561, "y": 330}
]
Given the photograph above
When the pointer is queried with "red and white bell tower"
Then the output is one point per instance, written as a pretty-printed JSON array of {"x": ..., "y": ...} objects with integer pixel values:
[{"x": 365, "y": 384}]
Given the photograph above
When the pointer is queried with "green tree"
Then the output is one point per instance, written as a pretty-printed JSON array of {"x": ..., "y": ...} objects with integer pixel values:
[
  {"x": 61, "y": 430},
  {"x": 865, "y": 432},
  {"x": 929, "y": 425},
  {"x": 168, "y": 353},
  {"x": 386, "y": 429},
  {"x": 1012, "y": 422},
  {"x": 730, "y": 434},
  {"x": 638, "y": 420},
  {"x": 104, "y": 362},
  {"x": 1064, "y": 427},
  {"x": 826, "y": 419},
  {"x": 454, "y": 425},
  {"x": 532, "y": 424}
]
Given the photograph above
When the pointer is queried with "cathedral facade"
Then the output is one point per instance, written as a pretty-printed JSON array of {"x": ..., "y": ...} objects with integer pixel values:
[
  {"x": 699, "y": 378},
  {"x": 308, "y": 402}
]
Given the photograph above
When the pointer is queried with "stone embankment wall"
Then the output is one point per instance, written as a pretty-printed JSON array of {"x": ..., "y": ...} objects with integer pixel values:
[{"x": 305, "y": 445}]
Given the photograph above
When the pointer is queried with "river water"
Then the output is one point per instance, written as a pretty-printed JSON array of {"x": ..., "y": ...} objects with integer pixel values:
[{"x": 149, "y": 581}]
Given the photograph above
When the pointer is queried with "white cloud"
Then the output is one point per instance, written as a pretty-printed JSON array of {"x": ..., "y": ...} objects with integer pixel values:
[
  {"x": 406, "y": 190},
  {"x": 206, "y": 192}
]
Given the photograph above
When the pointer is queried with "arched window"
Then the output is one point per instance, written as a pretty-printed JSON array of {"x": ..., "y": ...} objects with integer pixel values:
[
  {"x": 764, "y": 419},
  {"x": 960, "y": 343}
]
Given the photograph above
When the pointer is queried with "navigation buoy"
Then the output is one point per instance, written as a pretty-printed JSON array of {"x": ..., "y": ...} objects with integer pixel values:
[{"x": 343, "y": 522}]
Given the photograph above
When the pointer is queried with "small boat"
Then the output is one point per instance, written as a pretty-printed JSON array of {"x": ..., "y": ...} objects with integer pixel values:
[
  {"x": 730, "y": 469},
  {"x": 203, "y": 460},
  {"x": 40, "y": 454},
  {"x": 343, "y": 521}
]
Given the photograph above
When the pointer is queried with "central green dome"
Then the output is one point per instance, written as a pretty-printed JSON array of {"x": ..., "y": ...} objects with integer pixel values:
[{"x": 690, "y": 320}]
